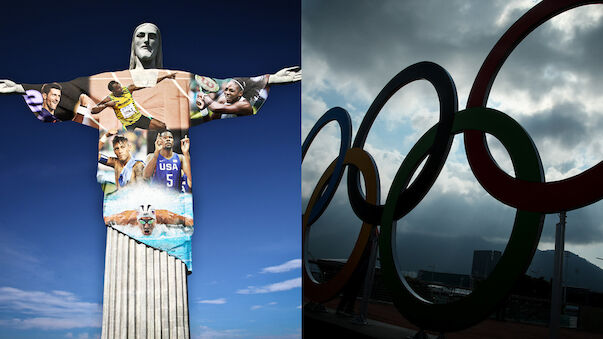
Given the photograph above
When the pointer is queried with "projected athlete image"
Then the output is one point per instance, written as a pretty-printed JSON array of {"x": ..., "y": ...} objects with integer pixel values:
[
  {"x": 127, "y": 168},
  {"x": 167, "y": 168},
  {"x": 159, "y": 217},
  {"x": 229, "y": 102},
  {"x": 146, "y": 217},
  {"x": 51, "y": 95},
  {"x": 125, "y": 107},
  {"x": 154, "y": 207},
  {"x": 221, "y": 99}
]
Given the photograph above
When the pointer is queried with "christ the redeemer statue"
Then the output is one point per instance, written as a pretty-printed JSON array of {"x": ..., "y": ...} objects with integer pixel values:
[{"x": 143, "y": 115}]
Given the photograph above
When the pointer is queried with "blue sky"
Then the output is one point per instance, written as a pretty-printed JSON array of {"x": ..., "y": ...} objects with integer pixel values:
[{"x": 246, "y": 246}]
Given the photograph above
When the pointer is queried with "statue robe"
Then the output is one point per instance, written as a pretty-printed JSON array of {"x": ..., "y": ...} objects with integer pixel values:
[{"x": 171, "y": 101}]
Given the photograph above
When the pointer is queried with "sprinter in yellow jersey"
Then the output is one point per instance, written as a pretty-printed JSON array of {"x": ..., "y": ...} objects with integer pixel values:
[{"x": 125, "y": 108}]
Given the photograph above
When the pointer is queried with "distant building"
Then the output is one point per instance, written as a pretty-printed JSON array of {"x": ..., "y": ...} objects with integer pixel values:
[
  {"x": 483, "y": 263},
  {"x": 446, "y": 279}
]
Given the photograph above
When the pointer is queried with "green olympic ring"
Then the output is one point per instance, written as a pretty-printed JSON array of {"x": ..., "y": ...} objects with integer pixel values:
[{"x": 520, "y": 249}]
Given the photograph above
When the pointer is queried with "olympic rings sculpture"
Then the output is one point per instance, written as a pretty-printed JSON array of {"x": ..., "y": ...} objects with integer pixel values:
[{"x": 528, "y": 191}]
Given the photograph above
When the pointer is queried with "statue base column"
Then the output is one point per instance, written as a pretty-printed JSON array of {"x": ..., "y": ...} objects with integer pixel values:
[{"x": 145, "y": 291}]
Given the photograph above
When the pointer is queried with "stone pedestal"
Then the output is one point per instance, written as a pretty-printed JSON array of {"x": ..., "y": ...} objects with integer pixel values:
[{"x": 145, "y": 291}]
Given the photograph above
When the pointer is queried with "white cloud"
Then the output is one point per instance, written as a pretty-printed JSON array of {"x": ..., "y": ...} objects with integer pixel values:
[
  {"x": 257, "y": 307},
  {"x": 47, "y": 310},
  {"x": 283, "y": 336},
  {"x": 315, "y": 106},
  {"x": 219, "y": 301},
  {"x": 276, "y": 287},
  {"x": 505, "y": 17},
  {"x": 22, "y": 255},
  {"x": 571, "y": 22},
  {"x": 209, "y": 333},
  {"x": 285, "y": 267},
  {"x": 67, "y": 295}
]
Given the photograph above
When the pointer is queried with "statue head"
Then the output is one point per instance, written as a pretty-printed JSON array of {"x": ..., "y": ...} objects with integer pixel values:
[{"x": 146, "y": 47}]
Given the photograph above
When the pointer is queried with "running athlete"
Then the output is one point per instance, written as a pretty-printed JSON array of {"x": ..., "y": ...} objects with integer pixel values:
[
  {"x": 166, "y": 167},
  {"x": 146, "y": 217},
  {"x": 126, "y": 168},
  {"x": 125, "y": 108}
]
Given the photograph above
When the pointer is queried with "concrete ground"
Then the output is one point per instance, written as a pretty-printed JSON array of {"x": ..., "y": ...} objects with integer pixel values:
[{"x": 386, "y": 322}]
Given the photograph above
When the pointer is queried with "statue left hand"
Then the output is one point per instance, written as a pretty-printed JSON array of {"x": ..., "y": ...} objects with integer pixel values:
[{"x": 286, "y": 75}]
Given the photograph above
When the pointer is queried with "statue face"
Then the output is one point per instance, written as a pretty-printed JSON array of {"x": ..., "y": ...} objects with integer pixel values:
[{"x": 146, "y": 42}]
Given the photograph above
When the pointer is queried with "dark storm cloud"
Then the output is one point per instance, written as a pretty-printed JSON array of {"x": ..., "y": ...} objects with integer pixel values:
[
  {"x": 565, "y": 124},
  {"x": 583, "y": 227},
  {"x": 536, "y": 65},
  {"x": 368, "y": 42},
  {"x": 439, "y": 214},
  {"x": 590, "y": 50},
  {"x": 564, "y": 135},
  {"x": 448, "y": 214},
  {"x": 375, "y": 40},
  {"x": 334, "y": 234}
]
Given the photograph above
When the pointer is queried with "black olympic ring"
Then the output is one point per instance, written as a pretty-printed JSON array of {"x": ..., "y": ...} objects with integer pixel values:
[{"x": 410, "y": 197}]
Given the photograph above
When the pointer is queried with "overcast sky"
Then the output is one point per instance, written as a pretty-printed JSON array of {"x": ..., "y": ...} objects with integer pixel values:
[{"x": 550, "y": 84}]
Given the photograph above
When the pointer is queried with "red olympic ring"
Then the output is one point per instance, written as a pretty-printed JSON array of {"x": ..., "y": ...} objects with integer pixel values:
[{"x": 548, "y": 197}]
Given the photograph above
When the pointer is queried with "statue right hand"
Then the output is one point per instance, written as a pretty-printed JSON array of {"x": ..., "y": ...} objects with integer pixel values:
[{"x": 10, "y": 87}]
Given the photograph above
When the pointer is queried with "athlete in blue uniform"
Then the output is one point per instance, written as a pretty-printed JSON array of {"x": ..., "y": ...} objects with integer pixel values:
[{"x": 166, "y": 167}]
